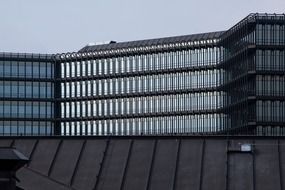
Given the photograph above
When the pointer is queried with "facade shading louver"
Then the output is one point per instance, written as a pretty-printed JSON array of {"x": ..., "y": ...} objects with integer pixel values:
[
  {"x": 144, "y": 87},
  {"x": 228, "y": 82}
]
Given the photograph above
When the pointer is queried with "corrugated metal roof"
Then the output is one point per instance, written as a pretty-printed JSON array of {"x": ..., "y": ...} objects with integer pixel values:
[
  {"x": 158, "y": 41},
  {"x": 179, "y": 162}
]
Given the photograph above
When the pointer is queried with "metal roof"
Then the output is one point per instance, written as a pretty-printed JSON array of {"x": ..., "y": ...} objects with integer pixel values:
[
  {"x": 178, "y": 162},
  {"x": 150, "y": 42},
  {"x": 11, "y": 159}
]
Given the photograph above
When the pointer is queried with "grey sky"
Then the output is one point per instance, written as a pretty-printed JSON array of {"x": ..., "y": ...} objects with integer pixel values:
[{"x": 53, "y": 26}]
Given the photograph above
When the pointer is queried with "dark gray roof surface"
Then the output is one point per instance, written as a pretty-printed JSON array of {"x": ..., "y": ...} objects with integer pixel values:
[
  {"x": 11, "y": 159},
  {"x": 150, "y": 42},
  {"x": 154, "y": 163},
  {"x": 11, "y": 154}
]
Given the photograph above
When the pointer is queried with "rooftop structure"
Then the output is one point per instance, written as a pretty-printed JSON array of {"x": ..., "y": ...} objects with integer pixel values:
[{"x": 154, "y": 162}]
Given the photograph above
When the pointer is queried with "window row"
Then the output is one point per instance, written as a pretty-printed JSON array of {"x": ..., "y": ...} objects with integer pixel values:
[
  {"x": 26, "y": 128},
  {"x": 235, "y": 44},
  {"x": 16, "y": 89},
  {"x": 270, "y": 111},
  {"x": 159, "y": 125},
  {"x": 270, "y": 34},
  {"x": 267, "y": 85},
  {"x": 142, "y": 105},
  {"x": 26, "y": 69},
  {"x": 19, "y": 109},
  {"x": 240, "y": 91},
  {"x": 270, "y": 130},
  {"x": 272, "y": 60},
  {"x": 236, "y": 69},
  {"x": 152, "y": 83},
  {"x": 167, "y": 60}
]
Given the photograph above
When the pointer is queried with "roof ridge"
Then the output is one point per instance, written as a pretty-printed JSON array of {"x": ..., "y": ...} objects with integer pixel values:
[{"x": 154, "y": 41}]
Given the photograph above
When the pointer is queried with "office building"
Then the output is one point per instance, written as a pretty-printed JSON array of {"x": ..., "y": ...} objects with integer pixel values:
[{"x": 227, "y": 82}]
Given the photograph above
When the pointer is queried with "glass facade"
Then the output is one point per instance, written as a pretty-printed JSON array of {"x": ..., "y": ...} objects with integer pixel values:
[
  {"x": 26, "y": 94},
  {"x": 229, "y": 82},
  {"x": 254, "y": 70}
]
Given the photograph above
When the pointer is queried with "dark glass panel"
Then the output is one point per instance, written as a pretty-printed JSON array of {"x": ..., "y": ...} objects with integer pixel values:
[
  {"x": 21, "y": 109},
  {"x": 28, "y": 89},
  {"x": 28, "y": 127},
  {"x": 29, "y": 109},
  {"x": 14, "y": 128},
  {"x": 14, "y": 89},
  {"x": 21, "y": 128},
  {"x": 36, "y": 69},
  {"x": 1, "y": 89},
  {"x": 1, "y": 68},
  {"x": 36, "y": 110},
  {"x": 42, "y": 128},
  {"x": 35, "y": 128},
  {"x": 14, "y": 69},
  {"x": 21, "y": 69},
  {"x": 7, "y": 128},
  {"x": 36, "y": 89},
  {"x": 43, "y": 70},
  {"x": 29, "y": 69},
  {"x": 7, "y": 68},
  {"x": 22, "y": 90},
  {"x": 7, "y": 89}
]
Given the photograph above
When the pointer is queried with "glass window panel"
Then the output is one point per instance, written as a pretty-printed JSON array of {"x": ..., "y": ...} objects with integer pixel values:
[
  {"x": 49, "y": 90},
  {"x": 28, "y": 128},
  {"x": 36, "y": 89},
  {"x": 42, "y": 90},
  {"x": 14, "y": 109},
  {"x": 7, "y": 128},
  {"x": 42, "y": 109},
  {"x": 14, "y": 89},
  {"x": 21, "y": 69},
  {"x": 21, "y": 128},
  {"x": 28, "y": 108},
  {"x": 1, "y": 68},
  {"x": 35, "y": 128},
  {"x": 7, "y": 89},
  {"x": 22, "y": 89},
  {"x": 50, "y": 70},
  {"x": 14, "y": 128},
  {"x": 1, "y": 89},
  {"x": 7, "y": 68},
  {"x": 21, "y": 108},
  {"x": 28, "y": 69},
  {"x": 14, "y": 69},
  {"x": 43, "y": 69},
  {"x": 36, "y": 69},
  {"x": 42, "y": 128}
]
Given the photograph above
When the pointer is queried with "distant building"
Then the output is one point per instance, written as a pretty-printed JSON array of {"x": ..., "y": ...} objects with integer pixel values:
[{"x": 230, "y": 82}]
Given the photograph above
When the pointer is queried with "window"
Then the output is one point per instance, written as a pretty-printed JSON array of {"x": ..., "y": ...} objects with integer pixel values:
[
  {"x": 36, "y": 69},
  {"x": 7, "y": 69},
  {"x": 43, "y": 70},
  {"x": 21, "y": 68},
  {"x": 28, "y": 69}
]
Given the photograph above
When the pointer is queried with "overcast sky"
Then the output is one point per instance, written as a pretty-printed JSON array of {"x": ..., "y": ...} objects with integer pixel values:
[{"x": 54, "y": 26}]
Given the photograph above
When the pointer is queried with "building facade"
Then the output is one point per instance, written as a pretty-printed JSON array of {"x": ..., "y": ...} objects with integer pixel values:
[
  {"x": 228, "y": 82},
  {"x": 26, "y": 94},
  {"x": 254, "y": 75},
  {"x": 144, "y": 87}
]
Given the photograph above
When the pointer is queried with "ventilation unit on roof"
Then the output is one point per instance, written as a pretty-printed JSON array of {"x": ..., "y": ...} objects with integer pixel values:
[{"x": 245, "y": 147}]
